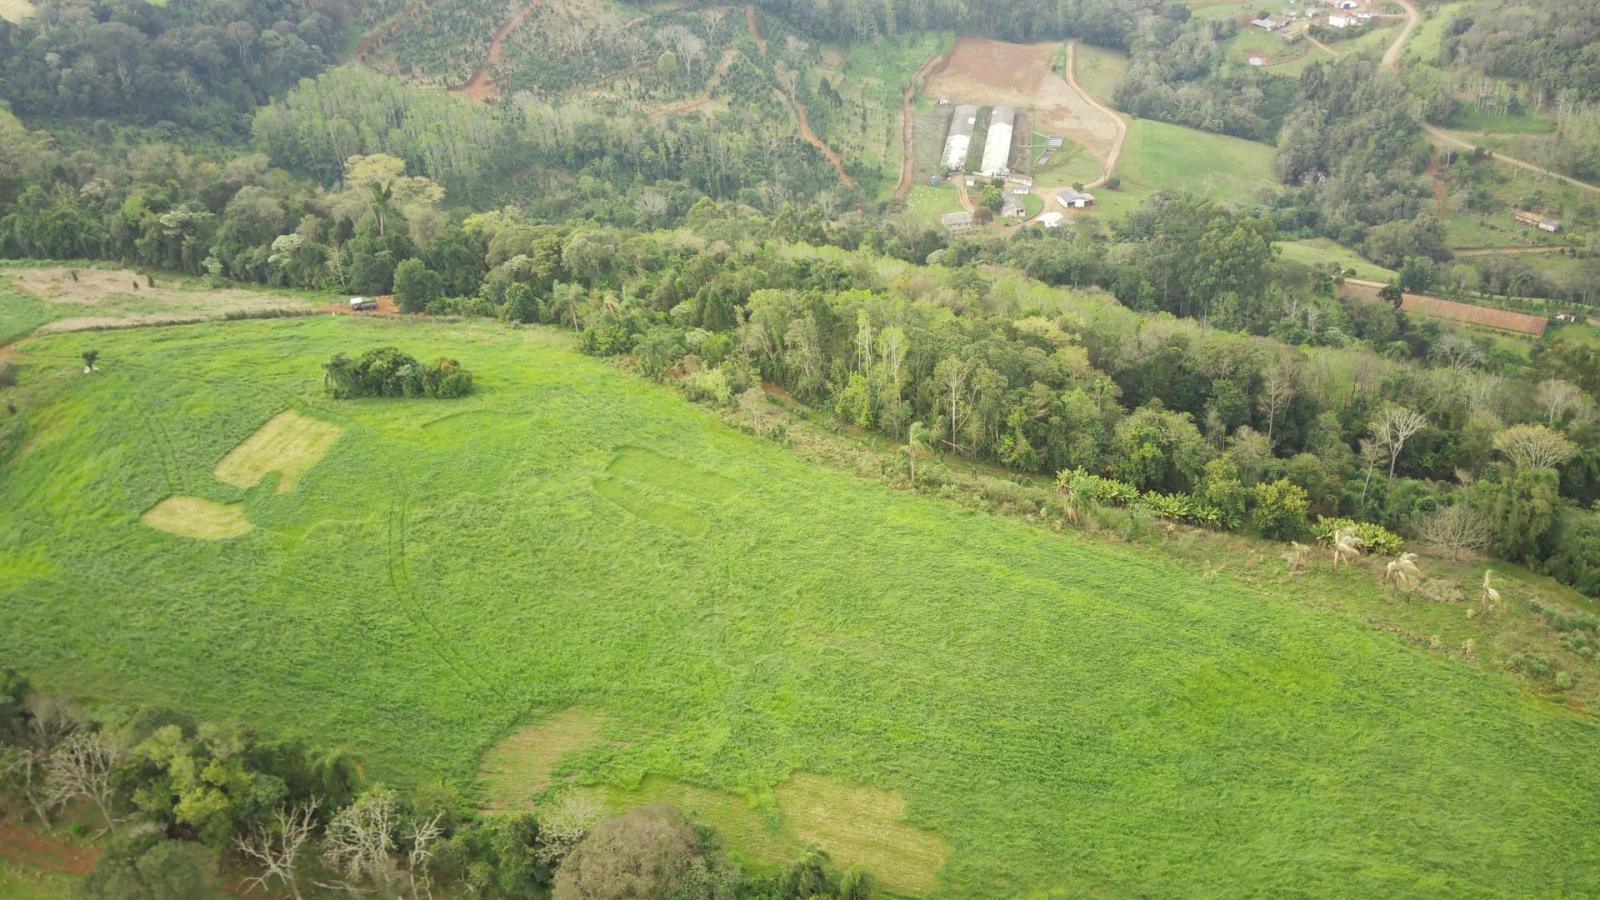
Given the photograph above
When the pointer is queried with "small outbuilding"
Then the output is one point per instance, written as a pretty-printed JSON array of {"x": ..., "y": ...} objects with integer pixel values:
[
  {"x": 1052, "y": 219},
  {"x": 1537, "y": 220},
  {"x": 1072, "y": 198},
  {"x": 957, "y": 222}
]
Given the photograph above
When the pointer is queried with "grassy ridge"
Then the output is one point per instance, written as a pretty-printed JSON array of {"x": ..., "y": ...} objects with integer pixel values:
[{"x": 1071, "y": 715}]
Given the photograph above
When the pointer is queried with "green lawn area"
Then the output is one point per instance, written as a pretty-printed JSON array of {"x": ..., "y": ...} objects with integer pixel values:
[
  {"x": 1066, "y": 715},
  {"x": 927, "y": 203},
  {"x": 1158, "y": 157},
  {"x": 1099, "y": 69},
  {"x": 1470, "y": 119},
  {"x": 1321, "y": 251}
]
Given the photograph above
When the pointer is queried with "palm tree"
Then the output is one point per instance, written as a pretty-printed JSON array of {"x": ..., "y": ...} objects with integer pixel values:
[
  {"x": 1296, "y": 556},
  {"x": 916, "y": 442},
  {"x": 1403, "y": 573},
  {"x": 1490, "y": 598},
  {"x": 1346, "y": 548},
  {"x": 380, "y": 197}
]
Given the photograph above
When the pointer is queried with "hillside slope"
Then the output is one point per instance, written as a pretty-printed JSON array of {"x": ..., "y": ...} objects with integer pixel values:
[{"x": 1068, "y": 714}]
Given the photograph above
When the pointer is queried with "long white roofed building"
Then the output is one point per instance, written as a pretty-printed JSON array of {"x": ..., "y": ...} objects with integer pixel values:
[
  {"x": 997, "y": 148},
  {"x": 962, "y": 122}
]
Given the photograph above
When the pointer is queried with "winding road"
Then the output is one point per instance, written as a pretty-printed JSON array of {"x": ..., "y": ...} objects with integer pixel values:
[
  {"x": 1113, "y": 156},
  {"x": 1391, "y": 59}
]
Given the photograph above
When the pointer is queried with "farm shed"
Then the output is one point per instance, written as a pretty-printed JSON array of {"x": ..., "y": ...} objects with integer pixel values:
[
  {"x": 1537, "y": 220},
  {"x": 1052, "y": 219},
  {"x": 962, "y": 121},
  {"x": 1075, "y": 199},
  {"x": 1011, "y": 206},
  {"x": 997, "y": 148},
  {"x": 957, "y": 222}
]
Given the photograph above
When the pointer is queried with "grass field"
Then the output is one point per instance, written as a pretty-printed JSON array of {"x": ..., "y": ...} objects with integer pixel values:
[
  {"x": 802, "y": 651},
  {"x": 1162, "y": 157},
  {"x": 1321, "y": 251}
]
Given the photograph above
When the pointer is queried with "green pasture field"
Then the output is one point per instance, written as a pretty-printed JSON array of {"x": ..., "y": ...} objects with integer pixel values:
[
  {"x": 1319, "y": 251},
  {"x": 1069, "y": 716},
  {"x": 1162, "y": 157},
  {"x": 20, "y": 881},
  {"x": 1098, "y": 70}
]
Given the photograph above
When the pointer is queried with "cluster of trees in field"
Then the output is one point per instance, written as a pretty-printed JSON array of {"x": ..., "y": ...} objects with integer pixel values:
[
  {"x": 205, "y": 66},
  {"x": 178, "y": 799},
  {"x": 387, "y": 372}
]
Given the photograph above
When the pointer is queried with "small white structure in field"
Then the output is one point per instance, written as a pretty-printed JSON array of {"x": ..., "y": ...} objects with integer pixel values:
[
  {"x": 1052, "y": 219},
  {"x": 1258, "y": 61},
  {"x": 1343, "y": 21},
  {"x": 1072, "y": 198},
  {"x": 957, "y": 222}
]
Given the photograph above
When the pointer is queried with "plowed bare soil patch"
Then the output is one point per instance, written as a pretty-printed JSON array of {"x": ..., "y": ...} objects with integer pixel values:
[
  {"x": 114, "y": 297},
  {"x": 988, "y": 72},
  {"x": 25, "y": 845}
]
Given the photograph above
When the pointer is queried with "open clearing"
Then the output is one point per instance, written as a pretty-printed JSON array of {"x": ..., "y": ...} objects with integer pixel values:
[
  {"x": 15, "y": 10},
  {"x": 1068, "y": 716},
  {"x": 289, "y": 444},
  {"x": 90, "y": 298},
  {"x": 195, "y": 517}
]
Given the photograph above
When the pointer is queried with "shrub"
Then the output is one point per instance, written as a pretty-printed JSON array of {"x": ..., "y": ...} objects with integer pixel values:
[
  {"x": 1279, "y": 509},
  {"x": 8, "y": 375},
  {"x": 1374, "y": 538},
  {"x": 386, "y": 372},
  {"x": 1094, "y": 489}
]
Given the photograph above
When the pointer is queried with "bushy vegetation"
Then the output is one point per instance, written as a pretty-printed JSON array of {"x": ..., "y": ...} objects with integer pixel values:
[{"x": 386, "y": 372}]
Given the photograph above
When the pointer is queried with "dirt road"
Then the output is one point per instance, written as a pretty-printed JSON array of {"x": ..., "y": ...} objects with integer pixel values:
[
  {"x": 1109, "y": 164},
  {"x": 1391, "y": 56},
  {"x": 1450, "y": 140},
  {"x": 481, "y": 85},
  {"x": 908, "y": 124},
  {"x": 1502, "y": 251},
  {"x": 802, "y": 119}
]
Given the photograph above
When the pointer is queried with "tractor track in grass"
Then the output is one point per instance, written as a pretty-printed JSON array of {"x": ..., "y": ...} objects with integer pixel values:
[{"x": 406, "y": 596}]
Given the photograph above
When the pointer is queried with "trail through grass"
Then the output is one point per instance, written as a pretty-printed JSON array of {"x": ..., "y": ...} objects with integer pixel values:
[{"x": 1067, "y": 715}]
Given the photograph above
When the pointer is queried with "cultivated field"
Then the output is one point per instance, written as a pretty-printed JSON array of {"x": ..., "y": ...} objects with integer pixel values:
[{"x": 963, "y": 704}]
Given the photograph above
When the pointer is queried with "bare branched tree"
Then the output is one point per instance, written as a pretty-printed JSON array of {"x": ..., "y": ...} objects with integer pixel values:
[
  {"x": 1488, "y": 598},
  {"x": 360, "y": 841},
  {"x": 421, "y": 837},
  {"x": 1456, "y": 529},
  {"x": 1557, "y": 398},
  {"x": 1277, "y": 389},
  {"x": 276, "y": 847},
  {"x": 27, "y": 765},
  {"x": 81, "y": 767},
  {"x": 1393, "y": 427}
]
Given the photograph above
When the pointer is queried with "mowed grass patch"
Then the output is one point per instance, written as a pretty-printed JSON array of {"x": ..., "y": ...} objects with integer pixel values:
[
  {"x": 289, "y": 444},
  {"x": 863, "y": 826},
  {"x": 1070, "y": 716},
  {"x": 195, "y": 517},
  {"x": 650, "y": 467},
  {"x": 519, "y": 768},
  {"x": 1321, "y": 251}
]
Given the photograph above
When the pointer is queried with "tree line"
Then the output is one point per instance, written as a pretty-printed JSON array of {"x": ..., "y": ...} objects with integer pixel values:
[{"x": 183, "y": 802}]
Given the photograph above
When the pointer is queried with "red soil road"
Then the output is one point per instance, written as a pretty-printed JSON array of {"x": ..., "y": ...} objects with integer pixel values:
[
  {"x": 908, "y": 123},
  {"x": 481, "y": 85},
  {"x": 376, "y": 36},
  {"x": 801, "y": 117}
]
